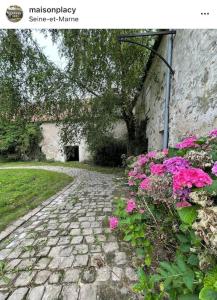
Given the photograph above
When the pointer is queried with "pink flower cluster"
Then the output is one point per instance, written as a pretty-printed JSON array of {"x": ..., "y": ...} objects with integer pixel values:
[
  {"x": 113, "y": 222},
  {"x": 213, "y": 133},
  {"x": 131, "y": 205},
  {"x": 189, "y": 142},
  {"x": 214, "y": 168},
  {"x": 145, "y": 184},
  {"x": 151, "y": 154},
  {"x": 174, "y": 164},
  {"x": 189, "y": 178},
  {"x": 183, "y": 203},
  {"x": 157, "y": 169},
  {"x": 142, "y": 160}
]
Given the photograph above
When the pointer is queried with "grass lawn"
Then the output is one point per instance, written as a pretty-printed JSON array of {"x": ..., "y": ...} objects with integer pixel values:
[
  {"x": 22, "y": 190},
  {"x": 72, "y": 164}
]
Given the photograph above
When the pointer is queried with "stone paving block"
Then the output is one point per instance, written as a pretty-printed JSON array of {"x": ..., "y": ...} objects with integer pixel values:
[
  {"x": 110, "y": 247},
  {"x": 42, "y": 277},
  {"x": 95, "y": 248},
  {"x": 88, "y": 292},
  {"x": 55, "y": 277},
  {"x": 24, "y": 278},
  {"x": 70, "y": 292},
  {"x": 43, "y": 252},
  {"x": 90, "y": 239},
  {"x": 18, "y": 294},
  {"x": 26, "y": 263},
  {"x": 117, "y": 274},
  {"x": 3, "y": 296},
  {"x": 72, "y": 275},
  {"x": 52, "y": 241},
  {"x": 64, "y": 240},
  {"x": 80, "y": 260},
  {"x": 42, "y": 263},
  {"x": 77, "y": 239},
  {"x": 120, "y": 258},
  {"x": 36, "y": 293},
  {"x": 52, "y": 292},
  {"x": 103, "y": 274},
  {"x": 80, "y": 249},
  {"x": 76, "y": 231},
  {"x": 13, "y": 264},
  {"x": 74, "y": 225}
]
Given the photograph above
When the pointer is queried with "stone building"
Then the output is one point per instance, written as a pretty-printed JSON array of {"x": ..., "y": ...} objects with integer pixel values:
[
  {"x": 193, "y": 94},
  {"x": 53, "y": 148}
]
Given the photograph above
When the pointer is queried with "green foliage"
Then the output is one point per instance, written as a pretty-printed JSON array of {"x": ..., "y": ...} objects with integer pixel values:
[
  {"x": 134, "y": 229},
  {"x": 211, "y": 188},
  {"x": 188, "y": 214},
  {"x": 178, "y": 278},
  {"x": 146, "y": 285},
  {"x": 109, "y": 153},
  {"x": 20, "y": 141},
  {"x": 105, "y": 72}
]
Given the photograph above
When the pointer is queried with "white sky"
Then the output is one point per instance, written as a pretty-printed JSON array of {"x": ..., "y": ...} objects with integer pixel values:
[{"x": 49, "y": 49}]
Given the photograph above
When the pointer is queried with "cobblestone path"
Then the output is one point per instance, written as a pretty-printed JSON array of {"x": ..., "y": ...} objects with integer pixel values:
[{"x": 65, "y": 249}]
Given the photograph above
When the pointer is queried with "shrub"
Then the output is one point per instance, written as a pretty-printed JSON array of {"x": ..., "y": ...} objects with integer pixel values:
[
  {"x": 170, "y": 217},
  {"x": 20, "y": 141},
  {"x": 110, "y": 153}
]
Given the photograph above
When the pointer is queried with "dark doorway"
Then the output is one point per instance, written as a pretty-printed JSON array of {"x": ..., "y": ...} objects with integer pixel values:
[{"x": 72, "y": 153}]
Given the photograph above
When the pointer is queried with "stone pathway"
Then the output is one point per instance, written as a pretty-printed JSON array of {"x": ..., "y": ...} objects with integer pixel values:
[{"x": 65, "y": 250}]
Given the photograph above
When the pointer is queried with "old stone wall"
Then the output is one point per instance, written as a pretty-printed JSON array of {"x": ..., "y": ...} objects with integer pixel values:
[
  {"x": 193, "y": 103},
  {"x": 52, "y": 147}
]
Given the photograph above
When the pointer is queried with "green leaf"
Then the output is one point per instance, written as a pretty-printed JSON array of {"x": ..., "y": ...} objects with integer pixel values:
[
  {"x": 189, "y": 297},
  {"x": 210, "y": 278},
  {"x": 128, "y": 238},
  {"x": 181, "y": 263},
  {"x": 211, "y": 188},
  {"x": 188, "y": 279},
  {"x": 207, "y": 294},
  {"x": 193, "y": 260},
  {"x": 187, "y": 214}
]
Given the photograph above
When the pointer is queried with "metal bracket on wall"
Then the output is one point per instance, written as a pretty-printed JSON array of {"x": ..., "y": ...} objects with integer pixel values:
[{"x": 124, "y": 39}]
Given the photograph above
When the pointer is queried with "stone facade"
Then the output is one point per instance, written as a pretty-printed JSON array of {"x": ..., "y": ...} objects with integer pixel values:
[
  {"x": 193, "y": 100},
  {"x": 53, "y": 149}
]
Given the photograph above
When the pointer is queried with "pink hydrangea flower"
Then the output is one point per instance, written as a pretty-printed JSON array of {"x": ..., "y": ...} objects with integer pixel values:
[
  {"x": 132, "y": 173},
  {"x": 151, "y": 154},
  {"x": 189, "y": 178},
  {"x": 131, "y": 183},
  {"x": 174, "y": 164},
  {"x": 214, "y": 168},
  {"x": 113, "y": 222},
  {"x": 157, "y": 169},
  {"x": 183, "y": 204},
  {"x": 140, "y": 176},
  {"x": 213, "y": 133},
  {"x": 189, "y": 142},
  {"x": 145, "y": 184},
  {"x": 142, "y": 160},
  {"x": 132, "y": 193},
  {"x": 131, "y": 205},
  {"x": 141, "y": 211},
  {"x": 165, "y": 151}
]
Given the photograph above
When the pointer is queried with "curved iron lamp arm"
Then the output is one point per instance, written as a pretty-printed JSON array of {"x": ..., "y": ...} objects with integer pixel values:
[{"x": 121, "y": 40}]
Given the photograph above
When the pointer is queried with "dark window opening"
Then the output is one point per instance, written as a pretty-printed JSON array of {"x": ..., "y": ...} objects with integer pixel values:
[{"x": 72, "y": 153}]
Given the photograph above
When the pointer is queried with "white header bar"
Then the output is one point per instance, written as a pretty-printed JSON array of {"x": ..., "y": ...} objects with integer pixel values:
[{"x": 110, "y": 14}]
